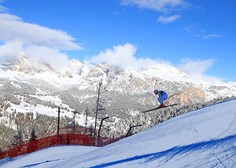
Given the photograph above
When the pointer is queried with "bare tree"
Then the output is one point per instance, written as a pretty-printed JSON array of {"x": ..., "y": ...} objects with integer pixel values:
[
  {"x": 98, "y": 106},
  {"x": 86, "y": 116}
]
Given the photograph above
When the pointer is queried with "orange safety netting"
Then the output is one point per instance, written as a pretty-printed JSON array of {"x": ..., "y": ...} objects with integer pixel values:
[{"x": 63, "y": 139}]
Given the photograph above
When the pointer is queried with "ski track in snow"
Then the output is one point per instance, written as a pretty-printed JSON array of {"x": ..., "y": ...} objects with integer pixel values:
[
  {"x": 36, "y": 164},
  {"x": 229, "y": 128}
]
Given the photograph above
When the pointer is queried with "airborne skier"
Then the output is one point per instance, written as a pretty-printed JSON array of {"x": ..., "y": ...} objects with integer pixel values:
[{"x": 161, "y": 96}]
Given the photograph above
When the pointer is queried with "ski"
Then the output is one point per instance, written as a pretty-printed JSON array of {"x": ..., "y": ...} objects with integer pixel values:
[{"x": 158, "y": 108}]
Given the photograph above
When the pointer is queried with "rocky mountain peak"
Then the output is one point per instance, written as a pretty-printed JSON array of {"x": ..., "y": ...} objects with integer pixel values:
[
  {"x": 22, "y": 63},
  {"x": 127, "y": 81}
]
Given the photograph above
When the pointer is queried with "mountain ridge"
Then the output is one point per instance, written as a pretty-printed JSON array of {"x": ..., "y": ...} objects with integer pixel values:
[
  {"x": 38, "y": 88},
  {"x": 83, "y": 76}
]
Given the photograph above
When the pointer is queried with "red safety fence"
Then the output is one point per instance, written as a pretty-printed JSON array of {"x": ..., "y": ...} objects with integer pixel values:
[{"x": 63, "y": 139}]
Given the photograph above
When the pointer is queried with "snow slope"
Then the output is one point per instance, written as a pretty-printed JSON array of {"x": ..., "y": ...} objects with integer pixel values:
[
  {"x": 202, "y": 138},
  {"x": 48, "y": 156}
]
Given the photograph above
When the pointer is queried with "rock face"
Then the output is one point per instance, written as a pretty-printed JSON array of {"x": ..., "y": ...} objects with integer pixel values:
[{"x": 189, "y": 95}]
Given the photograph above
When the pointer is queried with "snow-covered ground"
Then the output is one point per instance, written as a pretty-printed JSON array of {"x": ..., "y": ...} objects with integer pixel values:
[{"x": 202, "y": 138}]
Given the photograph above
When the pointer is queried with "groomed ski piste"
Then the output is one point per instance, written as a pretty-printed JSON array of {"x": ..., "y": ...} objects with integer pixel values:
[{"x": 201, "y": 138}]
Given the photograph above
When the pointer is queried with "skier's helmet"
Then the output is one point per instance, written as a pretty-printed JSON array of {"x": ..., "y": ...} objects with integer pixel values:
[{"x": 155, "y": 92}]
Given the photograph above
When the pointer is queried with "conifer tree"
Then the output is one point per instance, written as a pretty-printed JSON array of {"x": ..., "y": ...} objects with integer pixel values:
[{"x": 32, "y": 135}]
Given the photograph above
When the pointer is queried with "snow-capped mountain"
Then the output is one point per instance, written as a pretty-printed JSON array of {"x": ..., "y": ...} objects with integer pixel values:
[
  {"x": 30, "y": 86},
  {"x": 86, "y": 76}
]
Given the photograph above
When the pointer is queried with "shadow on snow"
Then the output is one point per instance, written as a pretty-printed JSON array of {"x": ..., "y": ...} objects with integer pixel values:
[{"x": 178, "y": 150}]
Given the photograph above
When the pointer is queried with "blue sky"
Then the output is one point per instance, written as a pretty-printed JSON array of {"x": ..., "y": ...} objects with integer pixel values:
[{"x": 197, "y": 36}]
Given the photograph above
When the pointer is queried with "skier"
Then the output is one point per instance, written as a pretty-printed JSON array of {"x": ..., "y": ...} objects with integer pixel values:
[{"x": 161, "y": 96}]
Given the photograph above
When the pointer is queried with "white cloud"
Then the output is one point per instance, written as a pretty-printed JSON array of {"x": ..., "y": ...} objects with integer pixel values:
[
  {"x": 53, "y": 57},
  {"x": 124, "y": 57},
  {"x": 38, "y": 42},
  {"x": 37, "y": 53},
  {"x": 168, "y": 19},
  {"x": 2, "y": 8},
  {"x": 199, "y": 32},
  {"x": 157, "y": 5},
  {"x": 208, "y": 36},
  {"x": 10, "y": 49},
  {"x": 12, "y": 27},
  {"x": 197, "y": 69}
]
